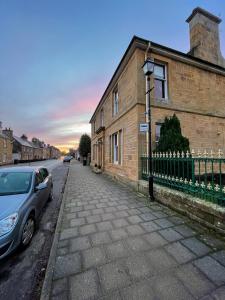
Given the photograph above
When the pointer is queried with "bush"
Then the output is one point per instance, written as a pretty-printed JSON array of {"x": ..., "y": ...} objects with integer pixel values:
[{"x": 171, "y": 138}]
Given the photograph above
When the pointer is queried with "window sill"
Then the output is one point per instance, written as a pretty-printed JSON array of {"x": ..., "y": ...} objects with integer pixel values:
[
  {"x": 116, "y": 165},
  {"x": 163, "y": 100}
]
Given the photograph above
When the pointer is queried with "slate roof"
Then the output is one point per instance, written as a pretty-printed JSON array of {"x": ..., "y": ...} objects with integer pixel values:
[{"x": 22, "y": 142}]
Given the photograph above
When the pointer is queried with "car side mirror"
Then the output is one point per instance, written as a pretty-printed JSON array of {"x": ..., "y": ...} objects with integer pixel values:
[{"x": 41, "y": 186}]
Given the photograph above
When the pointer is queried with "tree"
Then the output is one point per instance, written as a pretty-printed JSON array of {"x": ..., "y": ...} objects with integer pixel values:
[
  {"x": 85, "y": 145},
  {"x": 171, "y": 138}
]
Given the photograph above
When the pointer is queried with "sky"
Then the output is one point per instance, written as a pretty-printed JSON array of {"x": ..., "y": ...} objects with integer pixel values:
[{"x": 57, "y": 56}]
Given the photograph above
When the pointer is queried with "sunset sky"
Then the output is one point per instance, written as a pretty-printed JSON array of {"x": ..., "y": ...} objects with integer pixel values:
[{"x": 57, "y": 56}]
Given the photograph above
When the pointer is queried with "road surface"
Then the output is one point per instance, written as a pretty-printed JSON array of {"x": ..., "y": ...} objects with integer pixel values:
[{"x": 22, "y": 274}]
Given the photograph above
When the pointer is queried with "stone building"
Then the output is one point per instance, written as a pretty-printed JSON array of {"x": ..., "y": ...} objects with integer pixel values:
[
  {"x": 54, "y": 152},
  {"x": 6, "y": 147},
  {"x": 23, "y": 147},
  {"x": 190, "y": 85}
]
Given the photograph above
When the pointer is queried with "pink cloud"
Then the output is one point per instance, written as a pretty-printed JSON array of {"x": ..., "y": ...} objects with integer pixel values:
[{"x": 78, "y": 102}]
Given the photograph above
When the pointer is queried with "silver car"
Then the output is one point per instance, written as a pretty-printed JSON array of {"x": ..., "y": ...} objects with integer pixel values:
[{"x": 23, "y": 193}]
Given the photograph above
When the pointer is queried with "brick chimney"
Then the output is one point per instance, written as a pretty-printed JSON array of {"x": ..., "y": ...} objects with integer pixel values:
[
  {"x": 204, "y": 36},
  {"x": 8, "y": 132}
]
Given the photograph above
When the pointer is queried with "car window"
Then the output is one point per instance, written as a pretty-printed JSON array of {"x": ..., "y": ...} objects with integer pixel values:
[
  {"x": 44, "y": 173},
  {"x": 38, "y": 178},
  {"x": 12, "y": 183}
]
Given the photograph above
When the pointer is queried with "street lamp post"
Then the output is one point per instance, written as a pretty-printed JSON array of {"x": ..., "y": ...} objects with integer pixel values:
[{"x": 148, "y": 69}]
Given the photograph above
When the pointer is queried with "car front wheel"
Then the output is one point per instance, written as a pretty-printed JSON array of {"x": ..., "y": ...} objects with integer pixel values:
[{"x": 28, "y": 231}]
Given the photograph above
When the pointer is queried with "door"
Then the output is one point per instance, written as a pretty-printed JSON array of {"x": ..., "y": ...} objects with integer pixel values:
[
  {"x": 39, "y": 194},
  {"x": 100, "y": 153}
]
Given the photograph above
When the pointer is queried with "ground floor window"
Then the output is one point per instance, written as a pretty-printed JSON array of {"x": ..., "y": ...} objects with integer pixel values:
[
  {"x": 94, "y": 152},
  {"x": 116, "y": 147},
  {"x": 157, "y": 132}
]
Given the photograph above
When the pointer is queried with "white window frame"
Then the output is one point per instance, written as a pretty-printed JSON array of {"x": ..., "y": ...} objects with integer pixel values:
[
  {"x": 116, "y": 147},
  {"x": 115, "y": 102},
  {"x": 164, "y": 80}
]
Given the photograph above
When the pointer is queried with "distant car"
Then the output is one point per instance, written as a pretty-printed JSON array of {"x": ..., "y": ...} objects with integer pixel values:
[
  {"x": 23, "y": 194},
  {"x": 67, "y": 158}
]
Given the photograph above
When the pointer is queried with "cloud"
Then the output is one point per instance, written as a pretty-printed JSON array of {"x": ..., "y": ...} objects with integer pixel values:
[{"x": 61, "y": 119}]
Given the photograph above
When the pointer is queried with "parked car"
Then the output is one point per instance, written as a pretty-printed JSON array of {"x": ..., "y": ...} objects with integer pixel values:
[
  {"x": 24, "y": 192},
  {"x": 67, "y": 158}
]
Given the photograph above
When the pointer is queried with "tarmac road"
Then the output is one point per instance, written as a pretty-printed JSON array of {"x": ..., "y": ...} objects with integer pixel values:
[{"x": 22, "y": 273}]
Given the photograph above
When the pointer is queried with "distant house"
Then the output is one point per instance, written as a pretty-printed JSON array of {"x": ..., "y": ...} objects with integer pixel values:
[
  {"x": 6, "y": 146},
  {"x": 37, "y": 149},
  {"x": 54, "y": 152},
  {"x": 23, "y": 148}
]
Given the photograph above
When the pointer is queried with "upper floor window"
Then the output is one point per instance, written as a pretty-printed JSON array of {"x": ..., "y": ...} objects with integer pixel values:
[
  {"x": 4, "y": 142},
  {"x": 102, "y": 117},
  {"x": 93, "y": 127},
  {"x": 115, "y": 102},
  {"x": 160, "y": 82}
]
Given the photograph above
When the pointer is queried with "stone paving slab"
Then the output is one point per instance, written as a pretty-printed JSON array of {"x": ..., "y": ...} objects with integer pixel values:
[{"x": 114, "y": 244}]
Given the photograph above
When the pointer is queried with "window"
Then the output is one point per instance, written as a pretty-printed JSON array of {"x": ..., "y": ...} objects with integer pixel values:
[
  {"x": 115, "y": 102},
  {"x": 93, "y": 127},
  {"x": 102, "y": 117},
  {"x": 160, "y": 81},
  {"x": 5, "y": 145},
  {"x": 110, "y": 148},
  {"x": 44, "y": 173},
  {"x": 38, "y": 178},
  {"x": 157, "y": 131},
  {"x": 115, "y": 148}
]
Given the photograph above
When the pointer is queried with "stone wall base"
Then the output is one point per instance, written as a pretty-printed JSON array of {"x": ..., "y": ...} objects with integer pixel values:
[
  {"x": 206, "y": 213},
  {"x": 122, "y": 179}
]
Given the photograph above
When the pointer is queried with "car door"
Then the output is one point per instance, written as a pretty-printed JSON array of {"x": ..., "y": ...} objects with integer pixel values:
[
  {"x": 47, "y": 179},
  {"x": 39, "y": 194}
]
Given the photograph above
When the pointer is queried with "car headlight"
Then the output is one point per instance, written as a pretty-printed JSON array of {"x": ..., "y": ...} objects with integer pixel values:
[{"x": 7, "y": 224}]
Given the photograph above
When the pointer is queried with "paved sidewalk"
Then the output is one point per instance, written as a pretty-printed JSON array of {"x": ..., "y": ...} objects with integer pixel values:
[{"x": 112, "y": 246}]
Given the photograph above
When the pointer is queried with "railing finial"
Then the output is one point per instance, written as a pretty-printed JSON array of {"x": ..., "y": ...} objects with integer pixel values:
[
  {"x": 211, "y": 153},
  {"x": 220, "y": 153},
  {"x": 205, "y": 154}
]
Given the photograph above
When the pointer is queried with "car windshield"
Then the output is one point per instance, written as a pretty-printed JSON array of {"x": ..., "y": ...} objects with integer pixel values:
[{"x": 12, "y": 183}]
